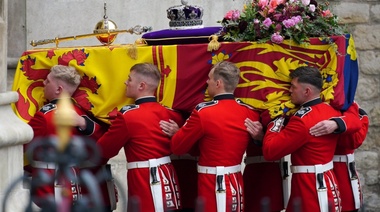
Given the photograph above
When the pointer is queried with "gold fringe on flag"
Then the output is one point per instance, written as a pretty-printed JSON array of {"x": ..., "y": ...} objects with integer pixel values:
[
  {"x": 132, "y": 50},
  {"x": 214, "y": 44}
]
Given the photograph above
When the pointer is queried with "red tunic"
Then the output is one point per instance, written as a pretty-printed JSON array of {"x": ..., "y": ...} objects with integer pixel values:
[
  {"x": 137, "y": 129},
  {"x": 262, "y": 180},
  {"x": 218, "y": 127},
  {"x": 347, "y": 145},
  {"x": 305, "y": 149},
  {"x": 43, "y": 126}
]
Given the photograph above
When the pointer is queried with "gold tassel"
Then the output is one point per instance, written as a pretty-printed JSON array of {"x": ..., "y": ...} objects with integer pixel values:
[
  {"x": 214, "y": 44},
  {"x": 132, "y": 50}
]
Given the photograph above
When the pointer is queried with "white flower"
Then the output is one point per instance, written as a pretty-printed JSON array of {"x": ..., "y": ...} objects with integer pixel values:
[
  {"x": 312, "y": 8},
  {"x": 305, "y": 2}
]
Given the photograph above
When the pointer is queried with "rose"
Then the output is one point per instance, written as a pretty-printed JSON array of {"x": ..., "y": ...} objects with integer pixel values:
[
  {"x": 312, "y": 8},
  {"x": 263, "y": 3},
  {"x": 232, "y": 15},
  {"x": 267, "y": 22},
  {"x": 276, "y": 38},
  {"x": 292, "y": 21},
  {"x": 305, "y": 2},
  {"x": 327, "y": 13}
]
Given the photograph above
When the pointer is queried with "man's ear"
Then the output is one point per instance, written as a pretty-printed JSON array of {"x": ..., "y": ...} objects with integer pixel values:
[
  {"x": 218, "y": 83},
  {"x": 308, "y": 91},
  {"x": 59, "y": 90},
  {"x": 142, "y": 85}
]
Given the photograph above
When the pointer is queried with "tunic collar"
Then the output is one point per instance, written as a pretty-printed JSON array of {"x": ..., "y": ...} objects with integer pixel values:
[
  {"x": 312, "y": 102},
  {"x": 224, "y": 96},
  {"x": 145, "y": 99}
]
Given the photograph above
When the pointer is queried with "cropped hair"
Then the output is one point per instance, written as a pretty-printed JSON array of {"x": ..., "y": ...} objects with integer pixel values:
[
  {"x": 309, "y": 75},
  {"x": 229, "y": 73},
  {"x": 148, "y": 70},
  {"x": 67, "y": 74}
]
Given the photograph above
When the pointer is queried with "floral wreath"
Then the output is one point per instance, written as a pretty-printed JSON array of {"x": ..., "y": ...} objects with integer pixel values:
[{"x": 277, "y": 20}]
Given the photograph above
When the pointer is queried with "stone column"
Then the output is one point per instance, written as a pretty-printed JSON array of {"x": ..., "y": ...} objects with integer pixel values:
[{"x": 13, "y": 131}]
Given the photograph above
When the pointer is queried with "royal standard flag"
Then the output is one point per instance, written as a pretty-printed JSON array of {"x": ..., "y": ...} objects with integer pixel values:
[{"x": 264, "y": 78}]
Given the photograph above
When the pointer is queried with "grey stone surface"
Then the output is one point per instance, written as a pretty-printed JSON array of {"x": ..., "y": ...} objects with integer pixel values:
[
  {"x": 369, "y": 62},
  {"x": 352, "y": 13},
  {"x": 367, "y": 37}
]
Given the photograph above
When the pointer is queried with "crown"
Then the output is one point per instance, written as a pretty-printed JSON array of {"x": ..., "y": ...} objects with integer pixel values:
[{"x": 185, "y": 16}]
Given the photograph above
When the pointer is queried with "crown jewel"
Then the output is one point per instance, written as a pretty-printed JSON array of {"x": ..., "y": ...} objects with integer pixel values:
[{"x": 185, "y": 16}]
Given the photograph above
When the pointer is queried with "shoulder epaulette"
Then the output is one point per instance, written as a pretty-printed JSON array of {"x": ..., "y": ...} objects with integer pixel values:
[
  {"x": 127, "y": 108},
  {"x": 48, "y": 107},
  {"x": 239, "y": 101},
  {"x": 205, "y": 104},
  {"x": 303, "y": 111}
]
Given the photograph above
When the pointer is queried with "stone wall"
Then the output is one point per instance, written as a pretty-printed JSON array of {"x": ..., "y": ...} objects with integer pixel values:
[{"x": 361, "y": 16}]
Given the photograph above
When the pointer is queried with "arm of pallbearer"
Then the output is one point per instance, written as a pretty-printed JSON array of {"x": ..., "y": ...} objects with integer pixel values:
[
  {"x": 347, "y": 123},
  {"x": 356, "y": 139},
  {"x": 171, "y": 126},
  {"x": 279, "y": 142},
  {"x": 89, "y": 125},
  {"x": 255, "y": 129},
  {"x": 188, "y": 135},
  {"x": 115, "y": 138}
]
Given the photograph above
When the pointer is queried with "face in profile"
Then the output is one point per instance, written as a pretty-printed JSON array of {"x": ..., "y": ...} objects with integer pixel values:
[
  {"x": 211, "y": 84},
  {"x": 132, "y": 84},
  {"x": 51, "y": 87},
  {"x": 297, "y": 92}
]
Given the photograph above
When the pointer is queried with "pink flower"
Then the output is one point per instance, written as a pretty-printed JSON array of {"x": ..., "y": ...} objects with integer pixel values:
[
  {"x": 273, "y": 4},
  {"x": 327, "y": 13},
  {"x": 288, "y": 23},
  {"x": 232, "y": 15},
  {"x": 278, "y": 28},
  {"x": 262, "y": 3},
  {"x": 277, "y": 38},
  {"x": 305, "y": 2},
  {"x": 292, "y": 21},
  {"x": 267, "y": 22}
]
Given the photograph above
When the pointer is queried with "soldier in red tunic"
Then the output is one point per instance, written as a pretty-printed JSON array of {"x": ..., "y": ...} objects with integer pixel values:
[
  {"x": 313, "y": 180},
  {"x": 151, "y": 178},
  {"x": 218, "y": 128},
  {"x": 344, "y": 161},
  {"x": 60, "y": 79}
]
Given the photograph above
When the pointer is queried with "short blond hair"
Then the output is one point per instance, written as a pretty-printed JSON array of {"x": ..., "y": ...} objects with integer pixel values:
[{"x": 67, "y": 74}]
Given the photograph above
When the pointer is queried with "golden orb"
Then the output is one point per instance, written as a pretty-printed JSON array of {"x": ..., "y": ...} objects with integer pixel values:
[{"x": 105, "y": 28}]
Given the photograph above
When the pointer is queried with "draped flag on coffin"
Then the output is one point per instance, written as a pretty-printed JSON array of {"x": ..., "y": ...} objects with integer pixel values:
[{"x": 264, "y": 82}]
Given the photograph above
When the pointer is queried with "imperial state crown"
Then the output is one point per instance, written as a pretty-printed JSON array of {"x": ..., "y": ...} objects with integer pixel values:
[{"x": 185, "y": 16}]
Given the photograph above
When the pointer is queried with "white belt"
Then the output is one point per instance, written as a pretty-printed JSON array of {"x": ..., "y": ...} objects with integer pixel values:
[
  {"x": 43, "y": 165},
  {"x": 145, "y": 164},
  {"x": 355, "y": 186},
  {"x": 213, "y": 170},
  {"x": 183, "y": 157},
  {"x": 220, "y": 183},
  {"x": 318, "y": 169},
  {"x": 344, "y": 158},
  {"x": 257, "y": 159},
  {"x": 312, "y": 169}
]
